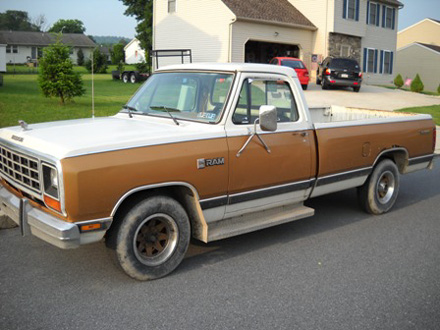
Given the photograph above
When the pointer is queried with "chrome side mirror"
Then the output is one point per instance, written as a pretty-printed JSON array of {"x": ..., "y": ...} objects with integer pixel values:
[{"x": 268, "y": 118}]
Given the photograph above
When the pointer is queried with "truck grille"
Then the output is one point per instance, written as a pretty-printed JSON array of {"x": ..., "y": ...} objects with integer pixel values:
[{"x": 22, "y": 169}]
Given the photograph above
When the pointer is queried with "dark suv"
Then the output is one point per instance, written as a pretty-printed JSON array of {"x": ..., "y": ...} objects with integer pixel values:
[{"x": 339, "y": 71}]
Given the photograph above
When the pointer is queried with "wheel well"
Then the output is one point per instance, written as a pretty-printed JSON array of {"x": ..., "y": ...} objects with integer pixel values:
[
  {"x": 399, "y": 157},
  {"x": 182, "y": 194}
]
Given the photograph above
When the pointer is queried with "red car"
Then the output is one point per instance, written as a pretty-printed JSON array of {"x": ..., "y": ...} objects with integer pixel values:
[{"x": 297, "y": 65}]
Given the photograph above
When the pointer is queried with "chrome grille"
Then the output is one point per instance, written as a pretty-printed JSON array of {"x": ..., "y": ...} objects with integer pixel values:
[{"x": 20, "y": 168}]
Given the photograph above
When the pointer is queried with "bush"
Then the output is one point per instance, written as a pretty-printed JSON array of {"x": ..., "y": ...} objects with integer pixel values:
[
  {"x": 398, "y": 81},
  {"x": 142, "y": 67},
  {"x": 99, "y": 62},
  {"x": 56, "y": 76},
  {"x": 417, "y": 85},
  {"x": 120, "y": 67},
  {"x": 80, "y": 57}
]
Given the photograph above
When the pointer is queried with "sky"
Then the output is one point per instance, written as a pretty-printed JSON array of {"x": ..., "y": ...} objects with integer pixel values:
[{"x": 106, "y": 17}]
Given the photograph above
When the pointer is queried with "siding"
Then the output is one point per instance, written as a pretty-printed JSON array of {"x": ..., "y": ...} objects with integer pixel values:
[
  {"x": 348, "y": 26},
  {"x": 199, "y": 25},
  {"x": 2, "y": 58},
  {"x": 25, "y": 51},
  {"x": 426, "y": 32},
  {"x": 244, "y": 31},
  {"x": 417, "y": 59}
]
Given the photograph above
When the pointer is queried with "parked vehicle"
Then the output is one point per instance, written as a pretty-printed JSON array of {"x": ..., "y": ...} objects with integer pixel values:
[
  {"x": 203, "y": 150},
  {"x": 130, "y": 76},
  {"x": 339, "y": 72},
  {"x": 296, "y": 64}
]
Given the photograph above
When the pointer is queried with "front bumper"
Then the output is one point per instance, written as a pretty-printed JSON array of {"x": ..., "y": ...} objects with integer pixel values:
[
  {"x": 343, "y": 82},
  {"x": 33, "y": 221}
]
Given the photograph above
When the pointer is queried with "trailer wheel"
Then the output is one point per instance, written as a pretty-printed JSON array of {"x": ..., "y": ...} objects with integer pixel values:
[
  {"x": 152, "y": 238},
  {"x": 379, "y": 193},
  {"x": 133, "y": 78},
  {"x": 125, "y": 77}
]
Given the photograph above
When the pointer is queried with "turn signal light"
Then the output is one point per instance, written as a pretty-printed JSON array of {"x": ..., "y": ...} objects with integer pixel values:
[
  {"x": 93, "y": 226},
  {"x": 52, "y": 203}
]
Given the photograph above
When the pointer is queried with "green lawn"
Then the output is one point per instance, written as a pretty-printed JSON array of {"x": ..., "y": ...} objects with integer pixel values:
[
  {"x": 22, "y": 69},
  {"x": 433, "y": 110},
  {"x": 21, "y": 98}
]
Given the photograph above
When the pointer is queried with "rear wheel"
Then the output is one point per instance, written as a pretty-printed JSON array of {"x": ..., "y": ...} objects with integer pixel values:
[
  {"x": 152, "y": 238},
  {"x": 318, "y": 81},
  {"x": 379, "y": 193},
  {"x": 304, "y": 87},
  {"x": 324, "y": 84},
  {"x": 133, "y": 78},
  {"x": 125, "y": 77},
  {"x": 357, "y": 89}
]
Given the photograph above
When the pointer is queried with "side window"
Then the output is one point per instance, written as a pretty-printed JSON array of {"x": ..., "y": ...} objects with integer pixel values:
[{"x": 255, "y": 93}]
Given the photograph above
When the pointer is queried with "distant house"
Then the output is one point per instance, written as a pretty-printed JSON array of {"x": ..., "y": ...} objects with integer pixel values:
[
  {"x": 22, "y": 47},
  {"x": 255, "y": 31},
  {"x": 106, "y": 51},
  {"x": 133, "y": 52},
  {"x": 2, "y": 58},
  {"x": 419, "y": 52}
]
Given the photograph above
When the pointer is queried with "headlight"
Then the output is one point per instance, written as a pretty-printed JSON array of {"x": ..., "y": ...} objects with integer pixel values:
[{"x": 50, "y": 180}]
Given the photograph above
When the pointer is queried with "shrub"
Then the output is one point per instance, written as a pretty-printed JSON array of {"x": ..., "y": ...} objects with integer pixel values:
[
  {"x": 120, "y": 67},
  {"x": 56, "y": 76},
  {"x": 80, "y": 57},
  {"x": 398, "y": 81},
  {"x": 417, "y": 85},
  {"x": 99, "y": 62},
  {"x": 143, "y": 67}
]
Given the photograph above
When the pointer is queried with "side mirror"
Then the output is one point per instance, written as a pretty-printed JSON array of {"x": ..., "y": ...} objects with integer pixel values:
[{"x": 268, "y": 118}]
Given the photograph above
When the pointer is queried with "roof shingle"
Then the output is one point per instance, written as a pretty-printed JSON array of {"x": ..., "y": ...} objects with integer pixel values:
[
  {"x": 44, "y": 39},
  {"x": 433, "y": 47},
  {"x": 281, "y": 11}
]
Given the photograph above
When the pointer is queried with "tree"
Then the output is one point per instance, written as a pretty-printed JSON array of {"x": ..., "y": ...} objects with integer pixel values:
[
  {"x": 117, "y": 53},
  {"x": 99, "y": 62},
  {"x": 16, "y": 20},
  {"x": 68, "y": 26},
  {"x": 80, "y": 57},
  {"x": 56, "y": 76},
  {"x": 417, "y": 84},
  {"x": 142, "y": 10},
  {"x": 398, "y": 81},
  {"x": 40, "y": 22}
]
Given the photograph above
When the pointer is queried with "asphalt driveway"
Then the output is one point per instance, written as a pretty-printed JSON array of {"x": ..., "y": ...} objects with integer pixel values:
[{"x": 369, "y": 97}]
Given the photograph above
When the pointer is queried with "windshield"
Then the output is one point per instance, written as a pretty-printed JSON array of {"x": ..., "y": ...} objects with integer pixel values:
[
  {"x": 293, "y": 64},
  {"x": 192, "y": 96}
]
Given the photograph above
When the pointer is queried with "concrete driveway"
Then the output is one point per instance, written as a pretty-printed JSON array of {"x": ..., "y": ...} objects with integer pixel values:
[{"x": 369, "y": 97}]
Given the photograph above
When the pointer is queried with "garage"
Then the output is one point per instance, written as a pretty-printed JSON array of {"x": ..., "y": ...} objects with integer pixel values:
[{"x": 263, "y": 52}]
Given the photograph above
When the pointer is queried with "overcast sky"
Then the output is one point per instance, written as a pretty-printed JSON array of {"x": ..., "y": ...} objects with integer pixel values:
[{"x": 106, "y": 17}]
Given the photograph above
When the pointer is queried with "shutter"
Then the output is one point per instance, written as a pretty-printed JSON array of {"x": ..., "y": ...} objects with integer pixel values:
[
  {"x": 375, "y": 60},
  {"x": 383, "y": 16},
  {"x": 344, "y": 13},
  {"x": 377, "y": 14},
  {"x": 391, "y": 62},
  {"x": 381, "y": 62},
  {"x": 357, "y": 10},
  {"x": 368, "y": 12},
  {"x": 365, "y": 59},
  {"x": 394, "y": 17}
]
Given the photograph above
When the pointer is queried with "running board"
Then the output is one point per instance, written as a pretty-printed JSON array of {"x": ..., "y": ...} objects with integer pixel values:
[{"x": 258, "y": 220}]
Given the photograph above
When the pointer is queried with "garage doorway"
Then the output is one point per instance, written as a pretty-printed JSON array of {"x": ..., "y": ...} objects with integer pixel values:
[{"x": 263, "y": 52}]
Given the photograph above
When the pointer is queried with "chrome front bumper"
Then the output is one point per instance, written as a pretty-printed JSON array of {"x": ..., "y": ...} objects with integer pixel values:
[{"x": 57, "y": 232}]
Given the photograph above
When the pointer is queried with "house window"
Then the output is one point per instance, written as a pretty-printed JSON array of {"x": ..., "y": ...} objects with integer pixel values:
[
  {"x": 370, "y": 60},
  {"x": 387, "y": 62},
  {"x": 345, "y": 51},
  {"x": 351, "y": 9},
  {"x": 388, "y": 17},
  {"x": 12, "y": 49},
  {"x": 172, "y": 6},
  {"x": 373, "y": 16}
]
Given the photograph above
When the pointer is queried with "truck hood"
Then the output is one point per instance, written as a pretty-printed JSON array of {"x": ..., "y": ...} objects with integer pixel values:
[{"x": 84, "y": 136}]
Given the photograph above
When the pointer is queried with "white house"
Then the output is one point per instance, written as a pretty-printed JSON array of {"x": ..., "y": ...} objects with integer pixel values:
[
  {"x": 2, "y": 58},
  {"x": 255, "y": 31},
  {"x": 23, "y": 46},
  {"x": 134, "y": 53}
]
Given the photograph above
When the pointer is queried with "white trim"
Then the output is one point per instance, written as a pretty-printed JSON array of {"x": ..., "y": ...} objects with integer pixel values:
[
  {"x": 415, "y": 24},
  {"x": 355, "y": 7},
  {"x": 418, "y": 44},
  {"x": 385, "y": 17}
]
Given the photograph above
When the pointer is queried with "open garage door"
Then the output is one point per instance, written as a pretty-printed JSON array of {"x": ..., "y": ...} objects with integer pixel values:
[{"x": 263, "y": 52}]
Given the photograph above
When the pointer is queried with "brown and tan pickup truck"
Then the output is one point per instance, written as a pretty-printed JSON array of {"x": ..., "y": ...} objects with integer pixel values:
[{"x": 201, "y": 150}]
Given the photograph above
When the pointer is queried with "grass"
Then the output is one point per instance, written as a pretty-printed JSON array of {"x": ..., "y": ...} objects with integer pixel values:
[
  {"x": 433, "y": 110},
  {"x": 406, "y": 89},
  {"x": 21, "y": 98},
  {"x": 24, "y": 69}
]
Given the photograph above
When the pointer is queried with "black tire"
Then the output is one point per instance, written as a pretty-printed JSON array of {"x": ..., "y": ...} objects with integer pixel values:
[
  {"x": 133, "y": 78},
  {"x": 379, "y": 193},
  {"x": 324, "y": 84},
  {"x": 357, "y": 89},
  {"x": 152, "y": 238},
  {"x": 304, "y": 87},
  {"x": 125, "y": 77},
  {"x": 318, "y": 81}
]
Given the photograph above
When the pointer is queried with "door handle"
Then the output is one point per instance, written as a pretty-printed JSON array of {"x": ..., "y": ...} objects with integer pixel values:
[{"x": 303, "y": 134}]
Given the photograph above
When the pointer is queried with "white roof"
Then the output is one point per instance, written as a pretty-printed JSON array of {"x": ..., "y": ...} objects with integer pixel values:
[{"x": 233, "y": 67}]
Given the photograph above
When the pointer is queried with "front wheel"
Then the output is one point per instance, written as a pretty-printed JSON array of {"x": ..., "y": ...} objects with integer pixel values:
[
  {"x": 379, "y": 193},
  {"x": 153, "y": 238},
  {"x": 133, "y": 78}
]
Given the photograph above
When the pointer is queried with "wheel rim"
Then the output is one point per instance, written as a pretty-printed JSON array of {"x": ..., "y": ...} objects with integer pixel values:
[
  {"x": 125, "y": 78},
  {"x": 155, "y": 239},
  {"x": 132, "y": 79},
  {"x": 385, "y": 187}
]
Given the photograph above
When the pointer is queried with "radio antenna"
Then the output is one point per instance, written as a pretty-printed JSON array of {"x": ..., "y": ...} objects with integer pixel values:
[{"x": 93, "y": 89}]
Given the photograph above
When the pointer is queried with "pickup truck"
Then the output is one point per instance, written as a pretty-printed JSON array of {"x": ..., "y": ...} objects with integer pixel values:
[{"x": 207, "y": 151}]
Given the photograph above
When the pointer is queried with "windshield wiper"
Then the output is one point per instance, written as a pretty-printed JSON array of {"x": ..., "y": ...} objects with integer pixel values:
[
  {"x": 130, "y": 109},
  {"x": 168, "y": 110}
]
